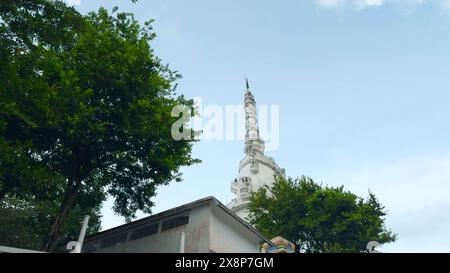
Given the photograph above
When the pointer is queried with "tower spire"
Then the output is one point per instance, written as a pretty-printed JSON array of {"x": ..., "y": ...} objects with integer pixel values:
[
  {"x": 253, "y": 142},
  {"x": 256, "y": 170}
]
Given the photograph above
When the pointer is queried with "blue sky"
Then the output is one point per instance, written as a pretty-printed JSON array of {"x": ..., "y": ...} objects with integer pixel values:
[{"x": 363, "y": 88}]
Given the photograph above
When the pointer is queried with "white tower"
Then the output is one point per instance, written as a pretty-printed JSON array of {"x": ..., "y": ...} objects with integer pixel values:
[{"x": 255, "y": 169}]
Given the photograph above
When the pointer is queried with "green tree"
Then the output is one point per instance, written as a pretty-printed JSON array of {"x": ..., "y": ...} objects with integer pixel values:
[
  {"x": 317, "y": 218},
  {"x": 24, "y": 223},
  {"x": 30, "y": 192},
  {"x": 28, "y": 29},
  {"x": 111, "y": 117},
  {"x": 95, "y": 110}
]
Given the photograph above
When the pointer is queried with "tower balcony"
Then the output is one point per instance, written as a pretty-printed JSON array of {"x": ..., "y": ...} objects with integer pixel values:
[
  {"x": 239, "y": 201},
  {"x": 241, "y": 186}
]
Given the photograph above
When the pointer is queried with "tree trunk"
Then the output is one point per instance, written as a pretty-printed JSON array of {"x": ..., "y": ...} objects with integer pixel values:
[
  {"x": 53, "y": 234},
  {"x": 2, "y": 194},
  {"x": 5, "y": 190}
]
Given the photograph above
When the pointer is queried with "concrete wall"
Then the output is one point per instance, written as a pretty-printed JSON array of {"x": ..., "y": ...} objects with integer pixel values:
[
  {"x": 210, "y": 228},
  {"x": 168, "y": 241},
  {"x": 230, "y": 236},
  {"x": 198, "y": 234},
  {"x": 164, "y": 242}
]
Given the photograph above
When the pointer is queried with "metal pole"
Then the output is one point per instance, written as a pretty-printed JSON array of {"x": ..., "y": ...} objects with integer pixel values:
[
  {"x": 83, "y": 230},
  {"x": 182, "y": 239}
]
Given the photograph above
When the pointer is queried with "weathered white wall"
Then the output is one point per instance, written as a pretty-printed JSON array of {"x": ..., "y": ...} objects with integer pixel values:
[
  {"x": 210, "y": 228},
  {"x": 198, "y": 233},
  {"x": 229, "y": 236},
  {"x": 168, "y": 241}
]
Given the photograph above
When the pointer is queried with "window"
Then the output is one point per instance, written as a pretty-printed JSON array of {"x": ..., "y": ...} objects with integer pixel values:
[
  {"x": 182, "y": 220},
  {"x": 90, "y": 247},
  {"x": 114, "y": 240},
  {"x": 168, "y": 224},
  {"x": 246, "y": 180},
  {"x": 175, "y": 222},
  {"x": 144, "y": 231}
]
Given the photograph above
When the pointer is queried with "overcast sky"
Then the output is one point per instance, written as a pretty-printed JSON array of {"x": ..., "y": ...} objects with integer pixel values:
[{"x": 363, "y": 88}]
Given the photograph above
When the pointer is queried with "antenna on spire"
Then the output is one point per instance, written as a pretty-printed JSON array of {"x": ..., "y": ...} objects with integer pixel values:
[{"x": 246, "y": 83}]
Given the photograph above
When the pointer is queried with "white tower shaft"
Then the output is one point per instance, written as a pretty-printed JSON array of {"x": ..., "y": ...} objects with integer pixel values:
[
  {"x": 253, "y": 142},
  {"x": 255, "y": 169}
]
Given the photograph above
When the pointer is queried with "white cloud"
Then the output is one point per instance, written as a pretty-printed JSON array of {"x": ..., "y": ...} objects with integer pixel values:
[
  {"x": 415, "y": 191},
  {"x": 73, "y": 2},
  {"x": 328, "y": 3},
  {"x": 362, "y": 4},
  {"x": 402, "y": 5},
  {"x": 444, "y": 4},
  {"x": 374, "y": 2},
  {"x": 359, "y": 4}
]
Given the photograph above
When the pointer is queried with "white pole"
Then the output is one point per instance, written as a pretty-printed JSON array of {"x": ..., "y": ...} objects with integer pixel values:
[
  {"x": 83, "y": 230},
  {"x": 182, "y": 239},
  {"x": 75, "y": 246}
]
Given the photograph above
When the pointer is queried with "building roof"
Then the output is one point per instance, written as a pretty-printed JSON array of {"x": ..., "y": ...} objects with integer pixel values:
[{"x": 176, "y": 210}]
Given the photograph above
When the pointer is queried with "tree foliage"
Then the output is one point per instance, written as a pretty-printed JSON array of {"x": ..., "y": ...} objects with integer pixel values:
[
  {"x": 318, "y": 218},
  {"x": 24, "y": 223},
  {"x": 86, "y": 100},
  {"x": 28, "y": 29}
]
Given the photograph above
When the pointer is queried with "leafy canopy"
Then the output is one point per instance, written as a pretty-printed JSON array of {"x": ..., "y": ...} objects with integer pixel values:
[
  {"x": 84, "y": 99},
  {"x": 110, "y": 120},
  {"x": 317, "y": 218}
]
